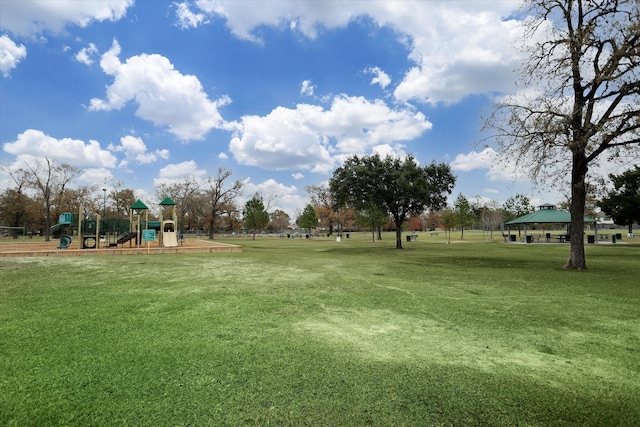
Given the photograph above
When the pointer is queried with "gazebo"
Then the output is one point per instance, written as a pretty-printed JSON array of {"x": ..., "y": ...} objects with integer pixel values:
[{"x": 546, "y": 214}]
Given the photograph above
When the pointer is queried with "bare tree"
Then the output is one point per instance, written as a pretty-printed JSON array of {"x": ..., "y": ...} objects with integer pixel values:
[
  {"x": 184, "y": 193},
  {"x": 122, "y": 199},
  {"x": 218, "y": 194},
  {"x": 13, "y": 202},
  {"x": 582, "y": 71},
  {"x": 491, "y": 216},
  {"x": 322, "y": 201},
  {"x": 51, "y": 181}
]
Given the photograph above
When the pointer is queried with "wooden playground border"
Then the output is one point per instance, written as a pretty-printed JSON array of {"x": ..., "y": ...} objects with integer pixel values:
[{"x": 40, "y": 249}]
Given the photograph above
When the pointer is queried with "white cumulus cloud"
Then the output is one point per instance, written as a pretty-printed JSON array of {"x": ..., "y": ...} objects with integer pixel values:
[
  {"x": 380, "y": 77},
  {"x": 164, "y": 96},
  {"x": 30, "y": 17},
  {"x": 312, "y": 138},
  {"x": 177, "y": 170},
  {"x": 281, "y": 196},
  {"x": 458, "y": 47},
  {"x": 10, "y": 54},
  {"x": 135, "y": 149},
  {"x": 306, "y": 88},
  {"x": 499, "y": 168},
  {"x": 75, "y": 152},
  {"x": 86, "y": 55},
  {"x": 187, "y": 18}
]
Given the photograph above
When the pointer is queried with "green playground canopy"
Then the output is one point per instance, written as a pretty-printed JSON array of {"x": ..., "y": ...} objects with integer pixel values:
[
  {"x": 167, "y": 202},
  {"x": 139, "y": 205}
]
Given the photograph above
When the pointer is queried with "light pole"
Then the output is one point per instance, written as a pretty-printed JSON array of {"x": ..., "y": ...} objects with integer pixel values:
[
  {"x": 104, "y": 207},
  {"x": 104, "y": 201}
]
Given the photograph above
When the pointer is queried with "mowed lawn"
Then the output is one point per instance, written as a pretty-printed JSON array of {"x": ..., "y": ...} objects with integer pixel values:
[{"x": 324, "y": 333}]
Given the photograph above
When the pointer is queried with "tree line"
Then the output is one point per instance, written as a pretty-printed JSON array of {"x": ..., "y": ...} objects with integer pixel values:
[{"x": 366, "y": 193}]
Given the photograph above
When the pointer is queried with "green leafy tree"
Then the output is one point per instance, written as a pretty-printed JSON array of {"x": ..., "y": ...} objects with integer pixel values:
[
  {"x": 464, "y": 214},
  {"x": 308, "y": 220},
  {"x": 448, "y": 218},
  {"x": 517, "y": 206},
  {"x": 255, "y": 216},
  {"x": 399, "y": 187},
  {"x": 374, "y": 217},
  {"x": 623, "y": 202},
  {"x": 581, "y": 67}
]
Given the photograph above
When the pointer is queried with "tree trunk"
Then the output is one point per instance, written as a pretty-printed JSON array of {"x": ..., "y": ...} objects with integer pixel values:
[
  {"x": 398, "y": 238},
  {"x": 577, "y": 260},
  {"x": 47, "y": 225},
  {"x": 398, "y": 231},
  {"x": 211, "y": 223}
]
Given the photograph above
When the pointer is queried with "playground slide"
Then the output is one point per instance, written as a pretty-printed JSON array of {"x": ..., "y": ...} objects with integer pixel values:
[
  {"x": 55, "y": 228},
  {"x": 124, "y": 239},
  {"x": 169, "y": 239},
  {"x": 65, "y": 241}
]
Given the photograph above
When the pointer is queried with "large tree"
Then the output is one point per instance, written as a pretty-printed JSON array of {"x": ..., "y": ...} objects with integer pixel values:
[
  {"x": 491, "y": 216},
  {"x": 14, "y": 201},
  {"x": 51, "y": 181},
  {"x": 279, "y": 220},
  {"x": 464, "y": 213},
  {"x": 184, "y": 193},
  {"x": 308, "y": 219},
  {"x": 517, "y": 206},
  {"x": 623, "y": 202},
  {"x": 122, "y": 199},
  {"x": 373, "y": 217},
  {"x": 398, "y": 186},
  {"x": 254, "y": 215},
  {"x": 219, "y": 195},
  {"x": 582, "y": 98},
  {"x": 322, "y": 201}
]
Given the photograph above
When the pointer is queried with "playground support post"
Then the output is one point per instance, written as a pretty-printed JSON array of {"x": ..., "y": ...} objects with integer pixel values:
[
  {"x": 80, "y": 216},
  {"x": 98, "y": 231}
]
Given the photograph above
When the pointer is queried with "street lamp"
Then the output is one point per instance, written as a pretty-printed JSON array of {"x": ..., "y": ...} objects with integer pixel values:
[{"x": 104, "y": 201}]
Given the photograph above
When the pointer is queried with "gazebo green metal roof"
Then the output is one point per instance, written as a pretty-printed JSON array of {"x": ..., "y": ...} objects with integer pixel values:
[{"x": 546, "y": 214}]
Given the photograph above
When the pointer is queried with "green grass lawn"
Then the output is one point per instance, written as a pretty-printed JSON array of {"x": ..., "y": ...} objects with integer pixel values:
[{"x": 316, "y": 332}]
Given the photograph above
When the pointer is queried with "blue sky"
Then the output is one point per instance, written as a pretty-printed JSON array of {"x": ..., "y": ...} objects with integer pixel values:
[{"x": 280, "y": 92}]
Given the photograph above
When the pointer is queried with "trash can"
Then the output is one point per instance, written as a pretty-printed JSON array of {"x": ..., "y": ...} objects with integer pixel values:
[
  {"x": 512, "y": 237},
  {"x": 613, "y": 238},
  {"x": 591, "y": 239},
  {"x": 529, "y": 240},
  {"x": 408, "y": 238},
  {"x": 619, "y": 236}
]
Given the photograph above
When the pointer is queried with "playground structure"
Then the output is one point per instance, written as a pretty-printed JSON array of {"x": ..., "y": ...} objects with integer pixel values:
[{"x": 113, "y": 232}]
